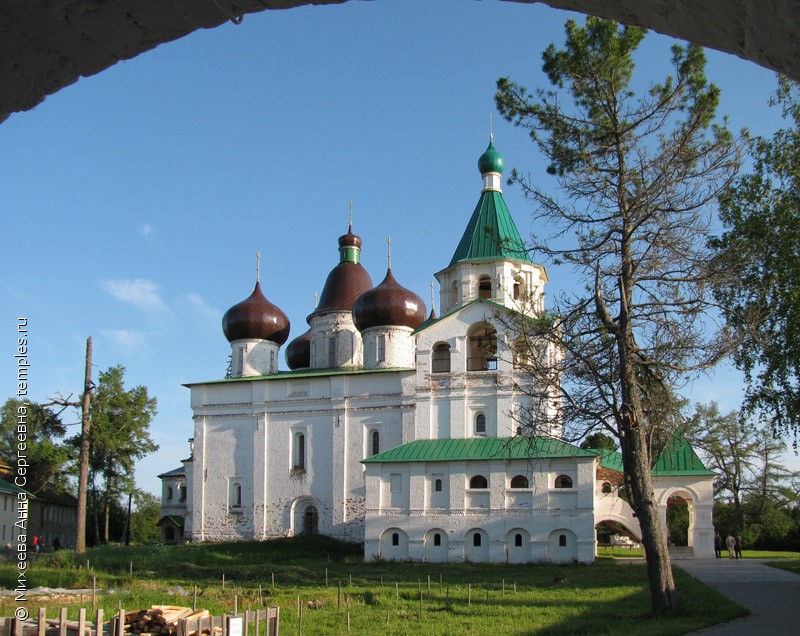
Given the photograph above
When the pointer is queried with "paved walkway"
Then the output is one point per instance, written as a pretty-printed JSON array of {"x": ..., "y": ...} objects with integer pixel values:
[{"x": 771, "y": 595}]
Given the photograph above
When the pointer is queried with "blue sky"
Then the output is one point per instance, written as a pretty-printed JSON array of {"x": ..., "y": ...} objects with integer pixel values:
[{"x": 134, "y": 201}]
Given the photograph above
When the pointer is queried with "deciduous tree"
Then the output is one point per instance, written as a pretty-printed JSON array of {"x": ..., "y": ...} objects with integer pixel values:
[
  {"x": 637, "y": 176},
  {"x": 761, "y": 243}
]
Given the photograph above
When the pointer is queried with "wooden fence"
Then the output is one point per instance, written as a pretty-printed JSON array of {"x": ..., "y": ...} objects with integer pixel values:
[{"x": 241, "y": 624}]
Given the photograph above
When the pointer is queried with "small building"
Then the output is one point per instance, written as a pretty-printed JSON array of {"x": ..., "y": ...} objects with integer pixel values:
[{"x": 173, "y": 505}]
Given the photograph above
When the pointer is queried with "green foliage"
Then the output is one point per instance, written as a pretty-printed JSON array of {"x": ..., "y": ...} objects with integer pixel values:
[
  {"x": 600, "y": 441},
  {"x": 144, "y": 518},
  {"x": 761, "y": 247},
  {"x": 119, "y": 436},
  {"x": 49, "y": 458}
]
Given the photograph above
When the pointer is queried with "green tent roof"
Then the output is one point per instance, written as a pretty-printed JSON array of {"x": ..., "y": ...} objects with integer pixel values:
[
  {"x": 491, "y": 233},
  {"x": 478, "y": 448},
  {"x": 679, "y": 458}
]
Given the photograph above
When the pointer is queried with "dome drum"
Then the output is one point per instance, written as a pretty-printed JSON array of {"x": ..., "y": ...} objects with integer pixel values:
[{"x": 253, "y": 357}]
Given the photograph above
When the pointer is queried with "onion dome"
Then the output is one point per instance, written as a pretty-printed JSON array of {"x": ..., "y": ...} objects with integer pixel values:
[
  {"x": 491, "y": 160},
  {"x": 348, "y": 280},
  {"x": 388, "y": 304},
  {"x": 298, "y": 353},
  {"x": 256, "y": 319}
]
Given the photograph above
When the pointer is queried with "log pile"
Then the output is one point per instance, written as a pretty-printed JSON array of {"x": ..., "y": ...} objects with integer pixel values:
[{"x": 160, "y": 620}]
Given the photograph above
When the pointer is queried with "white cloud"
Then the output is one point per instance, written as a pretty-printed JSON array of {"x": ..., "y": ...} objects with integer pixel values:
[
  {"x": 145, "y": 229},
  {"x": 124, "y": 338},
  {"x": 139, "y": 292},
  {"x": 199, "y": 305}
]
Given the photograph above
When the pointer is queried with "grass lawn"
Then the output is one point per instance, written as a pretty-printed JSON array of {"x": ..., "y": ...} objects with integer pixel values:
[{"x": 381, "y": 597}]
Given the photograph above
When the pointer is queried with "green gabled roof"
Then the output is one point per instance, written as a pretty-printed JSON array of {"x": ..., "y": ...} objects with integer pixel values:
[
  {"x": 679, "y": 458},
  {"x": 175, "y": 519},
  {"x": 610, "y": 459},
  {"x": 491, "y": 233},
  {"x": 495, "y": 307},
  {"x": 479, "y": 448}
]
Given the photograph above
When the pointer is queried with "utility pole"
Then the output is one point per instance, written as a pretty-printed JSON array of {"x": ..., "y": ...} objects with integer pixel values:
[{"x": 83, "y": 473}]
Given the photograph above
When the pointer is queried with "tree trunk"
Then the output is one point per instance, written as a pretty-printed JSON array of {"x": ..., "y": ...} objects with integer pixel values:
[
  {"x": 636, "y": 461},
  {"x": 83, "y": 471}
]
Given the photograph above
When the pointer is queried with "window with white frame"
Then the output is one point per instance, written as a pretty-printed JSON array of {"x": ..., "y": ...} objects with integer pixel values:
[
  {"x": 381, "y": 349},
  {"x": 480, "y": 424},
  {"x": 299, "y": 452}
]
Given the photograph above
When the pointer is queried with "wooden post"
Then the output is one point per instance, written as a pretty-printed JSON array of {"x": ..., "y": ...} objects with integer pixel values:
[
  {"x": 42, "y": 627},
  {"x": 469, "y": 593},
  {"x": 440, "y": 582},
  {"x": 260, "y": 595},
  {"x": 326, "y": 577},
  {"x": 504, "y": 587},
  {"x": 194, "y": 601},
  {"x": 339, "y": 597},
  {"x": 121, "y": 623},
  {"x": 348, "y": 621},
  {"x": 223, "y": 580},
  {"x": 94, "y": 593},
  {"x": 235, "y": 604},
  {"x": 99, "y": 623},
  {"x": 273, "y": 580},
  {"x": 396, "y": 590},
  {"x": 62, "y": 622},
  {"x": 82, "y": 621},
  {"x": 429, "y": 586}
]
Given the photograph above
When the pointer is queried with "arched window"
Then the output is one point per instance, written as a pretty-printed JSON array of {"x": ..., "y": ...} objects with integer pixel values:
[
  {"x": 437, "y": 539},
  {"x": 476, "y": 540},
  {"x": 562, "y": 540},
  {"x": 518, "y": 540},
  {"x": 441, "y": 358},
  {"x": 381, "y": 352},
  {"x": 299, "y": 452},
  {"x": 169, "y": 493},
  {"x": 482, "y": 348},
  {"x": 606, "y": 487},
  {"x": 454, "y": 293},
  {"x": 480, "y": 424},
  {"x": 376, "y": 442},
  {"x": 519, "y": 481},
  {"x": 437, "y": 485},
  {"x": 395, "y": 539},
  {"x": 563, "y": 481},
  {"x": 331, "y": 353},
  {"x": 484, "y": 287},
  {"x": 478, "y": 481}
]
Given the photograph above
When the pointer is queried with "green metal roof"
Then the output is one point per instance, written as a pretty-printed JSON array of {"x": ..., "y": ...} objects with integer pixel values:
[
  {"x": 479, "y": 448},
  {"x": 491, "y": 233},
  {"x": 175, "y": 519},
  {"x": 306, "y": 373},
  {"x": 679, "y": 458}
]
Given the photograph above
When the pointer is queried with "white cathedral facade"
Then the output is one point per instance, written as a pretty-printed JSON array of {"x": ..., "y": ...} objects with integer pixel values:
[{"x": 399, "y": 429}]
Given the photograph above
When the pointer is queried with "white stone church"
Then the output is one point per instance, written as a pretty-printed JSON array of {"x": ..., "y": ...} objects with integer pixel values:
[{"x": 399, "y": 429}]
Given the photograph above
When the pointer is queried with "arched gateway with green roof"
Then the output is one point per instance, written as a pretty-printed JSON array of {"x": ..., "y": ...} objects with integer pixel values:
[{"x": 401, "y": 432}]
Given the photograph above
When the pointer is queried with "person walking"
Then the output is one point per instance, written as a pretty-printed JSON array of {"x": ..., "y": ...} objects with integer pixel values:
[
  {"x": 739, "y": 546},
  {"x": 717, "y": 546},
  {"x": 730, "y": 543}
]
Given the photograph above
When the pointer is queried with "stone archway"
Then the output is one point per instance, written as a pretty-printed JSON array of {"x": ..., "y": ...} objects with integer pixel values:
[{"x": 48, "y": 47}]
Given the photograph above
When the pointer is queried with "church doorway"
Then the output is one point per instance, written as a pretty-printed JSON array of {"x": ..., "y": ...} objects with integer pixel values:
[{"x": 310, "y": 520}]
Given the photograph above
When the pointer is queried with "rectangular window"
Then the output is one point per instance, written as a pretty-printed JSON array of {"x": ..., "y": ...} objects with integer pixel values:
[
  {"x": 395, "y": 482},
  {"x": 239, "y": 361}
]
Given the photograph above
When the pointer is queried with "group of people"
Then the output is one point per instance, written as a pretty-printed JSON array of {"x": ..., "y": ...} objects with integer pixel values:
[{"x": 733, "y": 543}]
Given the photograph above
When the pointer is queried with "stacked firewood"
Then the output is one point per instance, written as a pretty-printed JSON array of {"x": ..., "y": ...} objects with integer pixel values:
[{"x": 160, "y": 619}]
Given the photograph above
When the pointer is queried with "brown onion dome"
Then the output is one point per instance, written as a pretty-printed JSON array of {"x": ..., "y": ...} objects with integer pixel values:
[
  {"x": 348, "y": 280},
  {"x": 388, "y": 304},
  {"x": 298, "y": 353},
  {"x": 256, "y": 319}
]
